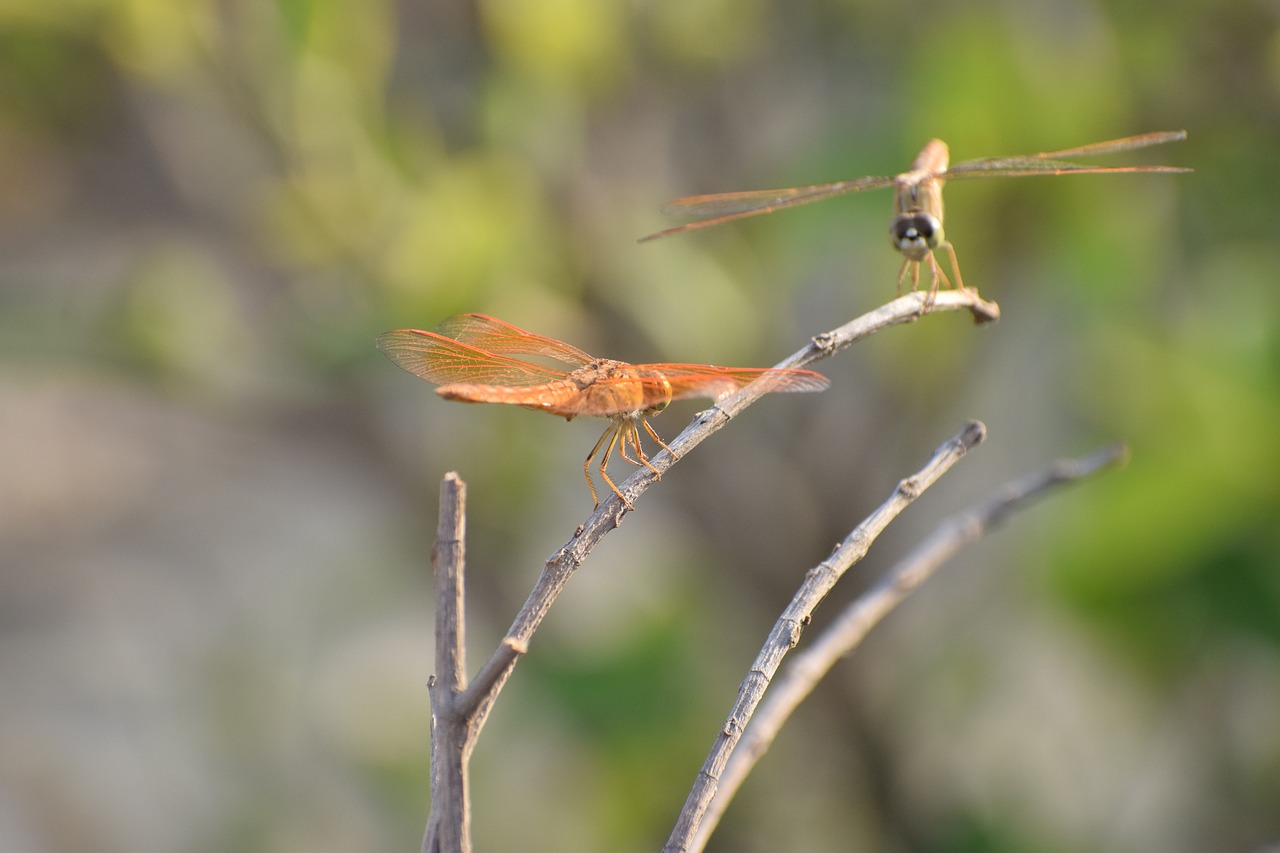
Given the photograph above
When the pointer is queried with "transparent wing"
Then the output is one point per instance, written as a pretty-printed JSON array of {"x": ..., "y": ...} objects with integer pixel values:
[
  {"x": 706, "y": 380},
  {"x": 444, "y": 360},
  {"x": 1054, "y": 162},
  {"x": 1111, "y": 146},
  {"x": 497, "y": 336},
  {"x": 725, "y": 207}
]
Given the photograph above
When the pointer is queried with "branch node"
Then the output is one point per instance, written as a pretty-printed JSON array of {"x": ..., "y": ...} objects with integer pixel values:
[
  {"x": 909, "y": 489},
  {"x": 824, "y": 343},
  {"x": 795, "y": 627}
]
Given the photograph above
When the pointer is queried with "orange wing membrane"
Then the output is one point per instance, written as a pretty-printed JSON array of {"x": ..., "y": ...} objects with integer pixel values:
[
  {"x": 916, "y": 228},
  {"x": 472, "y": 358}
]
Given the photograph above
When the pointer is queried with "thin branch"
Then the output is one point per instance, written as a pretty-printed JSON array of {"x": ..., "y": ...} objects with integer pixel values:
[
  {"x": 786, "y": 631},
  {"x": 807, "y": 668},
  {"x": 561, "y": 565},
  {"x": 449, "y": 824},
  {"x": 448, "y": 560}
]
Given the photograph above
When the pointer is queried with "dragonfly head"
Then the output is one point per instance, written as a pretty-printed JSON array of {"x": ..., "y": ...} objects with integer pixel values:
[{"x": 915, "y": 235}]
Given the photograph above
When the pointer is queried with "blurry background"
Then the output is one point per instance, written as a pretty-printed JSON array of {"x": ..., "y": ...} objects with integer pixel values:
[{"x": 217, "y": 499}]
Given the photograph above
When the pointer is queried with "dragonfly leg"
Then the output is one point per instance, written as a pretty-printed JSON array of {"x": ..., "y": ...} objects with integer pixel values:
[
  {"x": 586, "y": 466},
  {"x": 955, "y": 265},
  {"x": 629, "y": 434},
  {"x": 914, "y": 268},
  {"x": 613, "y": 433},
  {"x": 655, "y": 437},
  {"x": 940, "y": 275},
  {"x": 634, "y": 433},
  {"x": 935, "y": 276}
]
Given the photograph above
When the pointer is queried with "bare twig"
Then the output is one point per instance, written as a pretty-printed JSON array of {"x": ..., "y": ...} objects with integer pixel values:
[
  {"x": 786, "y": 631},
  {"x": 807, "y": 668},
  {"x": 452, "y": 735},
  {"x": 561, "y": 566}
]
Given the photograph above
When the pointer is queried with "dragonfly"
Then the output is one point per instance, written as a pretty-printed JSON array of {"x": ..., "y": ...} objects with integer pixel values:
[
  {"x": 473, "y": 359},
  {"x": 916, "y": 228}
]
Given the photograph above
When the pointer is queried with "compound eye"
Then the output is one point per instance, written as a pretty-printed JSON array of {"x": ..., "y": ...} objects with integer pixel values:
[
  {"x": 918, "y": 226},
  {"x": 916, "y": 234}
]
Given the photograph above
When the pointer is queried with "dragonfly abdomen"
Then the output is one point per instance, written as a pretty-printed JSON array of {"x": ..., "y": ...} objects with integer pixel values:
[{"x": 556, "y": 397}]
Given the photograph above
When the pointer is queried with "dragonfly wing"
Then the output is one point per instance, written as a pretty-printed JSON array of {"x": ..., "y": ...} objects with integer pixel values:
[
  {"x": 443, "y": 360},
  {"x": 726, "y": 207},
  {"x": 1017, "y": 167},
  {"x": 1128, "y": 143},
  {"x": 495, "y": 336},
  {"x": 705, "y": 380},
  {"x": 1054, "y": 162}
]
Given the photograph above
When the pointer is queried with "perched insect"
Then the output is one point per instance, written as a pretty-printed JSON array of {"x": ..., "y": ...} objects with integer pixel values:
[
  {"x": 916, "y": 228},
  {"x": 470, "y": 356}
]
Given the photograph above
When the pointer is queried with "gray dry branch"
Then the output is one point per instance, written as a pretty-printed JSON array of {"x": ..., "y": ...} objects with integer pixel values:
[
  {"x": 452, "y": 734},
  {"x": 786, "y": 631},
  {"x": 459, "y": 710},
  {"x": 809, "y": 667}
]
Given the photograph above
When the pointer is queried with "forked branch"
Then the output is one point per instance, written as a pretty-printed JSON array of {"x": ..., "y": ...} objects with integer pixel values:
[{"x": 459, "y": 710}]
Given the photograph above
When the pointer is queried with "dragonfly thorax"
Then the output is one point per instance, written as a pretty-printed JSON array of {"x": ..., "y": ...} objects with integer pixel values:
[
  {"x": 609, "y": 388},
  {"x": 916, "y": 234}
]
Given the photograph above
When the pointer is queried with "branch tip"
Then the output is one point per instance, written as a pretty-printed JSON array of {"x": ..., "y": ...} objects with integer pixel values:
[
  {"x": 1117, "y": 455},
  {"x": 972, "y": 434},
  {"x": 983, "y": 311}
]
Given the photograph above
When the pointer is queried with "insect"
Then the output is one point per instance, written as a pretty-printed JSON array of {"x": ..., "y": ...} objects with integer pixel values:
[
  {"x": 471, "y": 358},
  {"x": 916, "y": 227}
]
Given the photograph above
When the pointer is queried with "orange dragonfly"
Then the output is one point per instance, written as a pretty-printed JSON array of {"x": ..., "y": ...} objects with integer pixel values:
[
  {"x": 916, "y": 227},
  {"x": 470, "y": 356}
]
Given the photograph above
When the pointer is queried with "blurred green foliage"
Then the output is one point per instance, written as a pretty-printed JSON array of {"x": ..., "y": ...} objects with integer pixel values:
[{"x": 208, "y": 211}]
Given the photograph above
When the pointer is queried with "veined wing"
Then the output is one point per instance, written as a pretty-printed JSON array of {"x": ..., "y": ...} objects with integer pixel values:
[
  {"x": 725, "y": 207},
  {"x": 615, "y": 388},
  {"x": 497, "y": 336},
  {"x": 1055, "y": 162},
  {"x": 1127, "y": 143},
  {"x": 706, "y": 380},
  {"x": 443, "y": 360}
]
